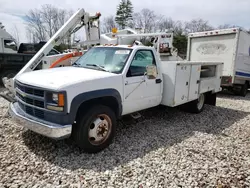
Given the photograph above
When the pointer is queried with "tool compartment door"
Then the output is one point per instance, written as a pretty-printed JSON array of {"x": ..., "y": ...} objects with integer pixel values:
[
  {"x": 182, "y": 83},
  {"x": 194, "y": 82}
]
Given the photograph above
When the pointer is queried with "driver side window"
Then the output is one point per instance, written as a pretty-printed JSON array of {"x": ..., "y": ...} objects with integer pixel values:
[{"x": 141, "y": 60}]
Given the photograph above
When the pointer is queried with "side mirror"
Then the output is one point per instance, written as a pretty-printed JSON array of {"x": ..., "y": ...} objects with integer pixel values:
[{"x": 151, "y": 71}]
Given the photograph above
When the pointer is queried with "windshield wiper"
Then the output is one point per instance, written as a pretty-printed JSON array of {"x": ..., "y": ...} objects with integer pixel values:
[
  {"x": 100, "y": 67},
  {"x": 76, "y": 64}
]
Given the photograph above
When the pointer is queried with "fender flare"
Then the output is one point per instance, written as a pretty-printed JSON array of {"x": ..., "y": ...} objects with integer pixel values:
[{"x": 84, "y": 97}]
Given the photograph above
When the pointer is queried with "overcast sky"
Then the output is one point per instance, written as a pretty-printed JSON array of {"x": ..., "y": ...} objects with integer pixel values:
[{"x": 217, "y": 12}]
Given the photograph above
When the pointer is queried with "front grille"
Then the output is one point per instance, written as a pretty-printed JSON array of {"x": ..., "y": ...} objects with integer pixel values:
[
  {"x": 30, "y": 99},
  {"x": 32, "y": 111},
  {"x": 30, "y": 90}
]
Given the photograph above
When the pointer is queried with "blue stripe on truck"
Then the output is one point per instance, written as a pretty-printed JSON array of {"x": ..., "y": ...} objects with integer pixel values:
[{"x": 242, "y": 74}]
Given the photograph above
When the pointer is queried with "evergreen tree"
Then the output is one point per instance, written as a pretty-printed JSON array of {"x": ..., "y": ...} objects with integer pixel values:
[
  {"x": 124, "y": 13},
  {"x": 180, "y": 42}
]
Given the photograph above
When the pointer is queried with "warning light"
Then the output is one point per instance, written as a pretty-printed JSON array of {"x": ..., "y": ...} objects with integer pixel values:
[
  {"x": 98, "y": 14},
  {"x": 114, "y": 30}
]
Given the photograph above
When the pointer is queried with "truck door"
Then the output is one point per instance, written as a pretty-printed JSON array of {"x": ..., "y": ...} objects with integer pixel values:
[{"x": 139, "y": 91}]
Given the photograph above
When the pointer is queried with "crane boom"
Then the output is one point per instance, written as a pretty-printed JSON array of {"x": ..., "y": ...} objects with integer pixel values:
[{"x": 75, "y": 22}]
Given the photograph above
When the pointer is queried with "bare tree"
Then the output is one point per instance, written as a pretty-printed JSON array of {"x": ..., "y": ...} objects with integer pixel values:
[
  {"x": 35, "y": 23},
  {"x": 30, "y": 34},
  {"x": 145, "y": 19},
  {"x": 45, "y": 22},
  {"x": 108, "y": 24},
  {"x": 15, "y": 35},
  {"x": 170, "y": 24},
  {"x": 178, "y": 28},
  {"x": 197, "y": 25},
  {"x": 49, "y": 16},
  {"x": 226, "y": 26},
  {"x": 165, "y": 23}
]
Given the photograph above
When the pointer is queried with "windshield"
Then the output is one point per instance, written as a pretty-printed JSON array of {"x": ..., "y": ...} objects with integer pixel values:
[{"x": 111, "y": 59}]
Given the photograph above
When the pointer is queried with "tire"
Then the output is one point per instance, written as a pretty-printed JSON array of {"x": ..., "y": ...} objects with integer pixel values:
[
  {"x": 197, "y": 106},
  {"x": 85, "y": 131},
  {"x": 243, "y": 90}
]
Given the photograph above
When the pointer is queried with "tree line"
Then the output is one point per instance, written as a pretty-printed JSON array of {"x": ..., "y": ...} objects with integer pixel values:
[
  {"x": 42, "y": 23},
  {"x": 149, "y": 21}
]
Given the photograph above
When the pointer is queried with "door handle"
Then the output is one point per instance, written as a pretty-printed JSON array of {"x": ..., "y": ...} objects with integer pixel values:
[
  {"x": 135, "y": 82},
  {"x": 158, "y": 80}
]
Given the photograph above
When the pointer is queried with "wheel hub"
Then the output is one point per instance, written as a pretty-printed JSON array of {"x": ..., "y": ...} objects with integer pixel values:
[{"x": 100, "y": 129}]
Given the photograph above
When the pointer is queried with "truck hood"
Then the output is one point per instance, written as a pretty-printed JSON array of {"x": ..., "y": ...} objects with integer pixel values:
[{"x": 58, "y": 78}]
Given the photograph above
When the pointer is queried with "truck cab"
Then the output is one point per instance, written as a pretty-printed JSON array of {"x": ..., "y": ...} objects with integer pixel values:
[{"x": 7, "y": 43}]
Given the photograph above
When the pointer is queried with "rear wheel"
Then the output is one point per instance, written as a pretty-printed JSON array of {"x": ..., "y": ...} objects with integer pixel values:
[
  {"x": 95, "y": 129},
  {"x": 244, "y": 89},
  {"x": 197, "y": 106}
]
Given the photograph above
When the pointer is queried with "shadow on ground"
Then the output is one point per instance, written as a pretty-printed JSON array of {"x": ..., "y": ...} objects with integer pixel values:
[
  {"x": 159, "y": 128},
  {"x": 229, "y": 95}
]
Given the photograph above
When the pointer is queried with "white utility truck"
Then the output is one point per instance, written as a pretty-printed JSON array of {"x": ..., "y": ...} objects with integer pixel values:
[
  {"x": 85, "y": 100},
  {"x": 231, "y": 46}
]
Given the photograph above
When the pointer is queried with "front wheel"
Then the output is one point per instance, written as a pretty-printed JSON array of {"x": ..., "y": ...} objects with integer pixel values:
[{"x": 95, "y": 129}]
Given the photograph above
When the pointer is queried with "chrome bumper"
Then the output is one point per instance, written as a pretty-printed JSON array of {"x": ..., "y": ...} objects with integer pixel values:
[{"x": 39, "y": 126}]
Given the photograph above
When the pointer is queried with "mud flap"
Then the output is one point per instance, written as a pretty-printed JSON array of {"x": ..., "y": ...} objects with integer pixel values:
[{"x": 211, "y": 99}]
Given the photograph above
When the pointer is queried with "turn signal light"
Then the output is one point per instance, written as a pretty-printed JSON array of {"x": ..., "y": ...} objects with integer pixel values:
[{"x": 60, "y": 99}]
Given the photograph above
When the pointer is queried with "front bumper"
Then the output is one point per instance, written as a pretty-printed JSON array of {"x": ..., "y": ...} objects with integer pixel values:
[{"x": 39, "y": 126}]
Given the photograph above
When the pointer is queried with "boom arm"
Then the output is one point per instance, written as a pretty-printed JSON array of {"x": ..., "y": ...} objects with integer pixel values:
[{"x": 77, "y": 20}]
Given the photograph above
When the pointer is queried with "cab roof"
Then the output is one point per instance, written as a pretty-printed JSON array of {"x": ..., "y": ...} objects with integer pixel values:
[{"x": 126, "y": 46}]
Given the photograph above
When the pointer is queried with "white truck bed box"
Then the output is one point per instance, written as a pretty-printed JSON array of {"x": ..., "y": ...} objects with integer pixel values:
[
  {"x": 230, "y": 46},
  {"x": 183, "y": 81}
]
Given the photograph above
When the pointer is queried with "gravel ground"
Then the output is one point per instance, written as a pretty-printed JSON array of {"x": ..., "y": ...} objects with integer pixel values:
[{"x": 167, "y": 148}]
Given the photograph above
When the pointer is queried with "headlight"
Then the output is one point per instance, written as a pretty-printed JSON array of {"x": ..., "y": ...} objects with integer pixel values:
[
  {"x": 55, "y": 97},
  {"x": 55, "y": 101}
]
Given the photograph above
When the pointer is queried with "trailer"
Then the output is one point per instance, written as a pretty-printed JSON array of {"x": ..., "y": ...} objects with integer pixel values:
[{"x": 231, "y": 46}]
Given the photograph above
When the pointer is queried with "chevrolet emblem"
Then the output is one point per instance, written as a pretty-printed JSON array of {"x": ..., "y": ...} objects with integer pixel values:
[{"x": 23, "y": 95}]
